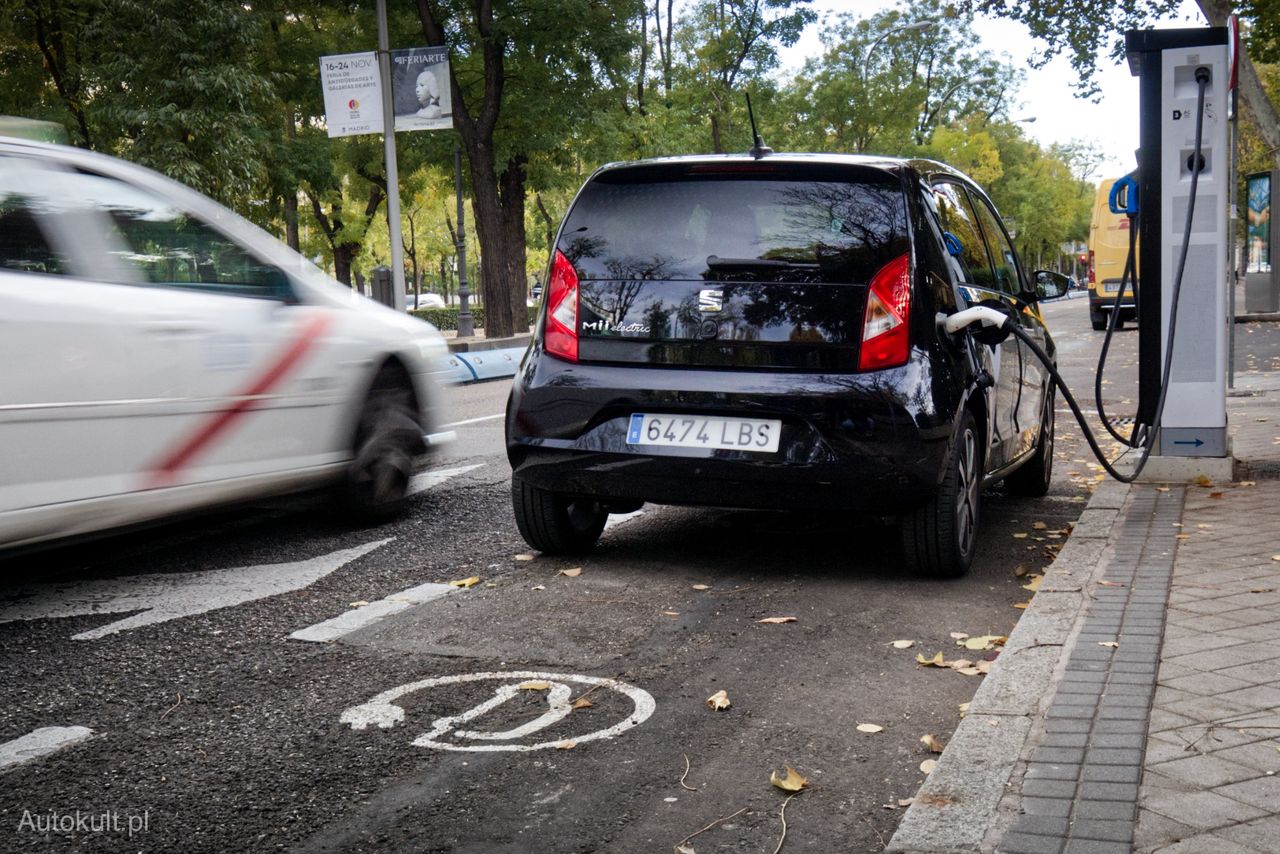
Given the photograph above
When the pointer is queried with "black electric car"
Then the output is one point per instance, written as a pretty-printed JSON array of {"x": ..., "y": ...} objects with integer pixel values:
[{"x": 763, "y": 332}]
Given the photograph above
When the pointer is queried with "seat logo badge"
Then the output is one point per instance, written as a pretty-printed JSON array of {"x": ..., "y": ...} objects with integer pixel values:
[{"x": 710, "y": 299}]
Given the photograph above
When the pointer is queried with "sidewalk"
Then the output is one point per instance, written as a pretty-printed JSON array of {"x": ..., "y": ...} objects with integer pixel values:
[{"x": 1136, "y": 706}]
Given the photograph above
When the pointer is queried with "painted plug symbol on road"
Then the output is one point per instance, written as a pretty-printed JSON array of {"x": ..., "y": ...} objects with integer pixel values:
[{"x": 382, "y": 711}]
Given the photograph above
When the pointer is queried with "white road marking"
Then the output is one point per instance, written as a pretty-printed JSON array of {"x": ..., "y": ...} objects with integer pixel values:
[
  {"x": 164, "y": 597},
  {"x": 382, "y": 712},
  {"x": 428, "y": 479},
  {"x": 358, "y": 618},
  {"x": 40, "y": 742},
  {"x": 616, "y": 519},
  {"x": 474, "y": 420}
]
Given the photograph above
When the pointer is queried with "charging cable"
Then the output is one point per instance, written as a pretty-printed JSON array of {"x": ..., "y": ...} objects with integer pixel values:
[
  {"x": 986, "y": 316},
  {"x": 1122, "y": 199}
]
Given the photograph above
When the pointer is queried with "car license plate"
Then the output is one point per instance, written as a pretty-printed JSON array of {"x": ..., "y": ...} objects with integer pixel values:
[
  {"x": 698, "y": 431},
  {"x": 1113, "y": 287}
]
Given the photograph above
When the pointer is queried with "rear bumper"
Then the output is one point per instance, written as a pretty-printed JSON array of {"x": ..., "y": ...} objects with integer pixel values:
[{"x": 866, "y": 442}]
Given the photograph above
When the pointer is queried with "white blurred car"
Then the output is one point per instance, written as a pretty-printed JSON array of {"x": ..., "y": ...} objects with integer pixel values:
[
  {"x": 160, "y": 354},
  {"x": 427, "y": 300}
]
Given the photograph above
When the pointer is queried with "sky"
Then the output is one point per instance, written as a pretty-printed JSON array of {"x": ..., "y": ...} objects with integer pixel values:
[{"x": 1048, "y": 94}]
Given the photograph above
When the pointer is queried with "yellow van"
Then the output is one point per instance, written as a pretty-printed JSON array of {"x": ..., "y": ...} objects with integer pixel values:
[{"x": 1108, "y": 248}]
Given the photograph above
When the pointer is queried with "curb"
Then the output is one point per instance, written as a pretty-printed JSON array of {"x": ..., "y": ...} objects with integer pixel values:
[{"x": 958, "y": 807}]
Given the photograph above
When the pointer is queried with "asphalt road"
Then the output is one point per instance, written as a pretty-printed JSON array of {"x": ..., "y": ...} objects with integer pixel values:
[{"x": 223, "y": 733}]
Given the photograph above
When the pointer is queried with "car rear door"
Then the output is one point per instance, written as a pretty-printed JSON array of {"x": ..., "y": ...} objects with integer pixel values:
[
  {"x": 88, "y": 386},
  {"x": 975, "y": 275},
  {"x": 1013, "y": 283}
]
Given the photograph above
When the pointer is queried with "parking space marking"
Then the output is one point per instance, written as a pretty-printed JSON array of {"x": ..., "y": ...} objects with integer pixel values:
[
  {"x": 168, "y": 596},
  {"x": 466, "y": 421},
  {"x": 383, "y": 713},
  {"x": 40, "y": 742},
  {"x": 358, "y": 618},
  {"x": 428, "y": 479},
  {"x": 617, "y": 519}
]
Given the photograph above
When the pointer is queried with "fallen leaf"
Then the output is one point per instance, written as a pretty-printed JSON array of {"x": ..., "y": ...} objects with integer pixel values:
[
  {"x": 1203, "y": 480},
  {"x": 1275, "y": 557},
  {"x": 1020, "y": 570},
  {"x": 1215, "y": 494},
  {"x": 969, "y": 671},
  {"x": 1040, "y": 526},
  {"x": 1021, "y": 606},
  {"x": 906, "y": 802},
  {"x": 964, "y": 709},
  {"x": 1021, "y": 535},
  {"x": 958, "y": 663},
  {"x": 1248, "y": 483},
  {"x": 702, "y": 587},
  {"x": 931, "y": 742},
  {"x": 1162, "y": 489},
  {"x": 566, "y": 745},
  {"x": 1110, "y": 584},
  {"x": 525, "y": 557},
  {"x": 1109, "y": 644},
  {"x": 572, "y": 573},
  {"x": 792, "y": 781},
  {"x": 466, "y": 582},
  {"x": 927, "y": 766},
  {"x": 1034, "y": 584},
  {"x": 1183, "y": 536},
  {"x": 685, "y": 849},
  {"x": 538, "y": 587},
  {"x": 936, "y": 661},
  {"x": 360, "y": 604},
  {"x": 719, "y": 701},
  {"x": 1263, "y": 590},
  {"x": 984, "y": 642},
  {"x": 534, "y": 685},
  {"x": 903, "y": 644},
  {"x": 958, "y": 635},
  {"x": 983, "y": 667},
  {"x": 582, "y": 703},
  {"x": 870, "y": 728},
  {"x": 773, "y": 621},
  {"x": 670, "y": 613}
]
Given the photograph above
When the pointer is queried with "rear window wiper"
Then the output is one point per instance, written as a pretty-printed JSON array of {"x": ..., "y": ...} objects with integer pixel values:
[{"x": 714, "y": 261}]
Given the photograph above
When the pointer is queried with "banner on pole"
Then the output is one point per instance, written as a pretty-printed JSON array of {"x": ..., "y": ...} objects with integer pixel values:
[
  {"x": 420, "y": 88},
  {"x": 352, "y": 93}
]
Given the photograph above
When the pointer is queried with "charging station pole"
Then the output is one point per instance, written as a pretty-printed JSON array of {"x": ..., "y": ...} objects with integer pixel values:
[{"x": 1194, "y": 421}]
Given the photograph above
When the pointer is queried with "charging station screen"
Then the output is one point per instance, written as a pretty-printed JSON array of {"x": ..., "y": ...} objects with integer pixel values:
[{"x": 1258, "y": 223}]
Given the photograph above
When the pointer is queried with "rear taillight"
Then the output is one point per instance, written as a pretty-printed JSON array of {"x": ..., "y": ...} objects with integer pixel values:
[
  {"x": 885, "y": 331},
  {"x": 562, "y": 310},
  {"x": 1092, "y": 280}
]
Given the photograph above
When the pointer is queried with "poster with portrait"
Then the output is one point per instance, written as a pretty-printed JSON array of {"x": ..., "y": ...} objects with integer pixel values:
[
  {"x": 1258, "y": 223},
  {"x": 420, "y": 88}
]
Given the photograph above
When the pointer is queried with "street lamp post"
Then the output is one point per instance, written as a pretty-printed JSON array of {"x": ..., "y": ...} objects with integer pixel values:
[
  {"x": 928, "y": 114},
  {"x": 917, "y": 27}
]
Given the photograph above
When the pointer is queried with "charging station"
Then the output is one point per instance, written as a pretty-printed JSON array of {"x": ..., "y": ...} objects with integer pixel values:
[{"x": 1169, "y": 65}]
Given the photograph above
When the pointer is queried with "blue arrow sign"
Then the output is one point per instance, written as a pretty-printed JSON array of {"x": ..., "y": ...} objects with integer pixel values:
[{"x": 1196, "y": 442}]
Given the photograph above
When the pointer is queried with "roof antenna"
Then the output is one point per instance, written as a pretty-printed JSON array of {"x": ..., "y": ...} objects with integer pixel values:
[{"x": 759, "y": 149}]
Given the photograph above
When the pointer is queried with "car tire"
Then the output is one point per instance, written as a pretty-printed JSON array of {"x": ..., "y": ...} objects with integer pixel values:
[
  {"x": 1033, "y": 477},
  {"x": 939, "y": 538},
  {"x": 388, "y": 437},
  {"x": 1098, "y": 321},
  {"x": 553, "y": 523}
]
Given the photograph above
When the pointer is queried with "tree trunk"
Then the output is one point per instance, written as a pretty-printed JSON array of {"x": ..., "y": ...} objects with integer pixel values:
[
  {"x": 1252, "y": 96},
  {"x": 550, "y": 223},
  {"x": 291, "y": 193},
  {"x": 344, "y": 255}
]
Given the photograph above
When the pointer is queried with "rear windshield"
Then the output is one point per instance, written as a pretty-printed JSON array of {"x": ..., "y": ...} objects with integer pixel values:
[{"x": 792, "y": 225}]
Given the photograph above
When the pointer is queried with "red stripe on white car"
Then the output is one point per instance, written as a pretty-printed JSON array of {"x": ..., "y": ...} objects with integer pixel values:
[{"x": 166, "y": 472}]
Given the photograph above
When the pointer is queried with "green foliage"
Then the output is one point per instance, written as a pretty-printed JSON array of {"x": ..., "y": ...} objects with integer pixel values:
[
  {"x": 881, "y": 86},
  {"x": 447, "y": 318}
]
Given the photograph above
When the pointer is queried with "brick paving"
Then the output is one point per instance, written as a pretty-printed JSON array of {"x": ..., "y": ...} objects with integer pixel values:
[
  {"x": 1169, "y": 741},
  {"x": 1081, "y": 787}
]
